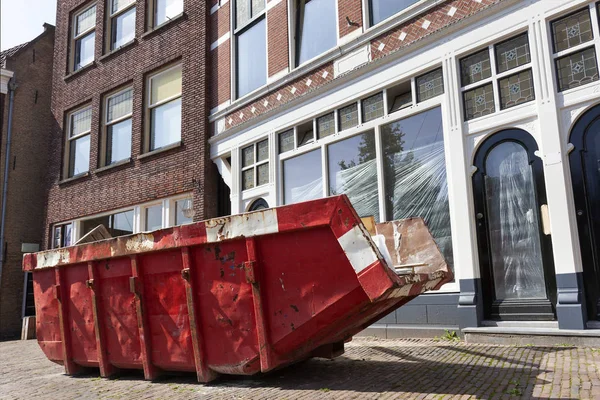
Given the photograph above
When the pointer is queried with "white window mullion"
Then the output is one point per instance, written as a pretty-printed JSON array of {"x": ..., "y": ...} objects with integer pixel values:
[{"x": 380, "y": 174}]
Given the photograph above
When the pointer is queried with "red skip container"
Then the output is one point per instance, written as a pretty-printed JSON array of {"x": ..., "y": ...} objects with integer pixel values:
[{"x": 237, "y": 295}]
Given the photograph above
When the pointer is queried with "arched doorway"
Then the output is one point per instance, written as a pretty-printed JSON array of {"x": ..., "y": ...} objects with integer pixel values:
[
  {"x": 515, "y": 256},
  {"x": 585, "y": 174}
]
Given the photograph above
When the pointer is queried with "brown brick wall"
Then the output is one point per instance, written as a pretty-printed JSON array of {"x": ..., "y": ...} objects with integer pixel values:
[
  {"x": 220, "y": 73},
  {"x": 183, "y": 169},
  {"x": 277, "y": 34},
  {"x": 438, "y": 19},
  {"x": 353, "y": 10},
  {"x": 32, "y": 67}
]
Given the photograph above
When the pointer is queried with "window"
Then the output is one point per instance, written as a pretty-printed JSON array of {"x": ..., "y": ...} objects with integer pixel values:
[
  {"x": 121, "y": 24},
  {"x": 510, "y": 75},
  {"x": 383, "y": 9},
  {"x": 118, "y": 126},
  {"x": 255, "y": 165},
  {"x": 62, "y": 236},
  {"x": 84, "y": 38},
  {"x": 372, "y": 107},
  {"x": 316, "y": 30},
  {"x": 348, "y": 116},
  {"x": 430, "y": 85},
  {"x": 303, "y": 178},
  {"x": 78, "y": 141},
  {"x": 184, "y": 212},
  {"x": 286, "y": 141},
  {"x": 414, "y": 168},
  {"x": 153, "y": 217},
  {"x": 353, "y": 171},
  {"x": 574, "y": 51},
  {"x": 165, "y": 108},
  {"x": 251, "y": 46},
  {"x": 162, "y": 11},
  {"x": 118, "y": 224},
  {"x": 325, "y": 125}
]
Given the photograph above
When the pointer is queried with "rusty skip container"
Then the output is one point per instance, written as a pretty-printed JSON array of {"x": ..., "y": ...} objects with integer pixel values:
[{"x": 237, "y": 295}]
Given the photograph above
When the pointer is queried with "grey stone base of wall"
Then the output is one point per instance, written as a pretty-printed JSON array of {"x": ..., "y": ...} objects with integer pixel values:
[
  {"x": 389, "y": 331},
  {"x": 533, "y": 337}
]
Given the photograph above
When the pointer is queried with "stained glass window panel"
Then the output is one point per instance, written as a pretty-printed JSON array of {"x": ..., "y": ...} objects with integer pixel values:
[
  {"x": 430, "y": 85},
  {"x": 476, "y": 67},
  {"x": 479, "y": 102},
  {"x": 348, "y": 116},
  {"x": 513, "y": 53},
  {"x": 516, "y": 89},
  {"x": 577, "y": 69},
  {"x": 326, "y": 125},
  {"x": 372, "y": 107},
  {"x": 286, "y": 141},
  {"x": 572, "y": 30}
]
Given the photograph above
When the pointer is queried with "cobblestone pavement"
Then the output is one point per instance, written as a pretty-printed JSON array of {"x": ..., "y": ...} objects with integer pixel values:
[{"x": 370, "y": 369}]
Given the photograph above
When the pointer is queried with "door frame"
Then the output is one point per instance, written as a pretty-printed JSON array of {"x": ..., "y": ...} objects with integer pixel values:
[
  {"x": 539, "y": 309},
  {"x": 590, "y": 255}
]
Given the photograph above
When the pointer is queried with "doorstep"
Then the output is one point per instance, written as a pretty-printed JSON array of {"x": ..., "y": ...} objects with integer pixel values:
[{"x": 536, "y": 334}]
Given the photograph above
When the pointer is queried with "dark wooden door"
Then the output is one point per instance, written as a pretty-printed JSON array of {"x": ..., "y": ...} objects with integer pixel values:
[
  {"x": 585, "y": 173},
  {"x": 515, "y": 256}
]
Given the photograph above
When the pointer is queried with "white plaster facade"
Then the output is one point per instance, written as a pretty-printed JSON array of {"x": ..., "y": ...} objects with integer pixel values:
[{"x": 549, "y": 119}]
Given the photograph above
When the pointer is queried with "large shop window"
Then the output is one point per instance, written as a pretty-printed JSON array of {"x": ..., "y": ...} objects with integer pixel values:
[
  {"x": 303, "y": 178},
  {"x": 119, "y": 224},
  {"x": 121, "y": 23},
  {"x": 118, "y": 126},
  {"x": 574, "y": 51},
  {"x": 84, "y": 38},
  {"x": 165, "y": 108},
  {"x": 78, "y": 142},
  {"x": 415, "y": 174},
  {"x": 353, "y": 171},
  {"x": 316, "y": 28},
  {"x": 165, "y": 10},
  {"x": 511, "y": 76},
  {"x": 383, "y": 9},
  {"x": 251, "y": 46}
]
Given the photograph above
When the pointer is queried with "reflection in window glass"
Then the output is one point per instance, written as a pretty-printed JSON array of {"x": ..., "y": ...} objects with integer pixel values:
[
  {"x": 84, "y": 50},
  {"x": 154, "y": 217},
  {"x": 383, "y": 9},
  {"x": 119, "y": 142},
  {"x": 184, "y": 212},
  {"x": 251, "y": 58},
  {"x": 166, "y": 124},
  {"x": 353, "y": 171},
  {"x": 317, "y": 28},
  {"x": 62, "y": 236},
  {"x": 166, "y": 10},
  {"x": 79, "y": 160},
  {"x": 123, "y": 29},
  {"x": 415, "y": 174},
  {"x": 302, "y": 178}
]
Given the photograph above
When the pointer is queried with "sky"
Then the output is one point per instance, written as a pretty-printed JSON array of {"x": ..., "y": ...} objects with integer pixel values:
[{"x": 22, "y": 20}]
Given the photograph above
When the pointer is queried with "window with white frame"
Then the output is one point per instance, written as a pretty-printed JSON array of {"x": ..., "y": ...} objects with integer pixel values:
[
  {"x": 498, "y": 77},
  {"x": 162, "y": 11},
  {"x": 121, "y": 23},
  {"x": 62, "y": 236},
  {"x": 184, "y": 211},
  {"x": 575, "y": 48},
  {"x": 153, "y": 217},
  {"x": 84, "y": 38},
  {"x": 383, "y": 9},
  {"x": 303, "y": 178},
  {"x": 117, "y": 224},
  {"x": 117, "y": 127},
  {"x": 251, "y": 45},
  {"x": 255, "y": 165},
  {"x": 316, "y": 28},
  {"x": 164, "y": 108},
  {"x": 79, "y": 125}
]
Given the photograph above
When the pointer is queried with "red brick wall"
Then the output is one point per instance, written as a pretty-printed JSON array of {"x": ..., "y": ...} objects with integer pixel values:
[
  {"x": 183, "y": 169},
  {"x": 353, "y": 10},
  {"x": 277, "y": 34},
  {"x": 27, "y": 166}
]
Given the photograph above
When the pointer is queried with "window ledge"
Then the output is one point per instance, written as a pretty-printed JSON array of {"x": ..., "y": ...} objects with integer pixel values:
[
  {"x": 173, "y": 20},
  {"x": 118, "y": 50},
  {"x": 80, "y": 70},
  {"x": 73, "y": 178},
  {"x": 117, "y": 164},
  {"x": 160, "y": 150}
]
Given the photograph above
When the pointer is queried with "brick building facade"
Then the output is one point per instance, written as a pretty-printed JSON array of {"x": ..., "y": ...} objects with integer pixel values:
[
  {"x": 429, "y": 108},
  {"x": 30, "y": 67},
  {"x": 127, "y": 61}
]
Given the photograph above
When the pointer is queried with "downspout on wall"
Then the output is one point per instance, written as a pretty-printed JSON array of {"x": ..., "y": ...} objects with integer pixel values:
[{"x": 12, "y": 86}]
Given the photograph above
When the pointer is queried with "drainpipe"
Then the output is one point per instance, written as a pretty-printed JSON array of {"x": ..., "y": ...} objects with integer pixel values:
[{"x": 12, "y": 86}]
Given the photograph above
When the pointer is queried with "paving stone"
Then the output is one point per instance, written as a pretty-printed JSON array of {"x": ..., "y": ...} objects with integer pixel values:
[{"x": 371, "y": 368}]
